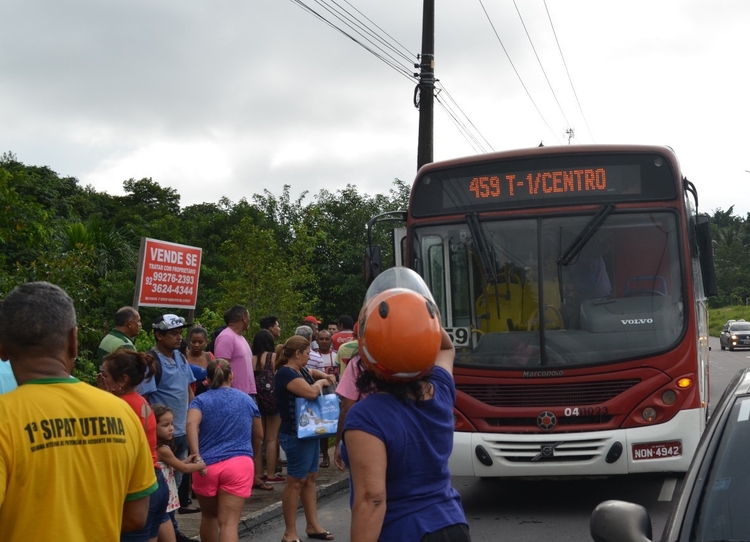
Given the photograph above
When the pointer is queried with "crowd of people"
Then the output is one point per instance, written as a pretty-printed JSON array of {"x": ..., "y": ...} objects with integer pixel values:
[{"x": 197, "y": 414}]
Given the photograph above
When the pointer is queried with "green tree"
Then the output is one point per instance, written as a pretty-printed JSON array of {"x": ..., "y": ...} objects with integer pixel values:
[
  {"x": 264, "y": 277},
  {"x": 731, "y": 240},
  {"x": 24, "y": 227}
]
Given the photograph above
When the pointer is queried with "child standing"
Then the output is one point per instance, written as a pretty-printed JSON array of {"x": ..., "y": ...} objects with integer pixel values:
[{"x": 168, "y": 462}]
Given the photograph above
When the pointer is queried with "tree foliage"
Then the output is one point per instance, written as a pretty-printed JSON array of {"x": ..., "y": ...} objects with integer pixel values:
[
  {"x": 731, "y": 240},
  {"x": 274, "y": 254}
]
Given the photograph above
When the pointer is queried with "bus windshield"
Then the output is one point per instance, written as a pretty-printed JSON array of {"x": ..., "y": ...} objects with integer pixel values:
[{"x": 559, "y": 291}]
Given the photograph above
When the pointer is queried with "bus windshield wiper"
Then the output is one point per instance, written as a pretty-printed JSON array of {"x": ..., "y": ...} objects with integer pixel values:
[
  {"x": 587, "y": 233},
  {"x": 488, "y": 264}
]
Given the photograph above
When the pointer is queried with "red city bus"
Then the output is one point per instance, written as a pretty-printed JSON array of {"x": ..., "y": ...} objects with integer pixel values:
[{"x": 573, "y": 282}]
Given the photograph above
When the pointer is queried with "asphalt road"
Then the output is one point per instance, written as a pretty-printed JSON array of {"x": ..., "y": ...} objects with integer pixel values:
[{"x": 522, "y": 510}]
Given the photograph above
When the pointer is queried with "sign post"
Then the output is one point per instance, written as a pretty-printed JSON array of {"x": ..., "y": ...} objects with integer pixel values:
[{"x": 168, "y": 275}]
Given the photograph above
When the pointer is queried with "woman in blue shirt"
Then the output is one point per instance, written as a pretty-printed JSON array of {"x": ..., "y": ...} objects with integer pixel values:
[
  {"x": 292, "y": 380},
  {"x": 220, "y": 426},
  {"x": 398, "y": 439}
]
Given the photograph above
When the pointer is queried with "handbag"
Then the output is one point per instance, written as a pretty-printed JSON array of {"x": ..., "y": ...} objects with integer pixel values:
[
  {"x": 316, "y": 418},
  {"x": 264, "y": 386}
]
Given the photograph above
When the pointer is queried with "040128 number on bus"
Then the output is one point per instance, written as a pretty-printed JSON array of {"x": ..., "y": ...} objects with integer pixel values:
[{"x": 657, "y": 450}]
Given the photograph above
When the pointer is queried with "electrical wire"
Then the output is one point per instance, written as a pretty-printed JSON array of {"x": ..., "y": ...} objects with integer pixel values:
[
  {"x": 517, "y": 74},
  {"x": 382, "y": 55},
  {"x": 357, "y": 26},
  {"x": 461, "y": 127},
  {"x": 465, "y": 127},
  {"x": 467, "y": 131},
  {"x": 409, "y": 54},
  {"x": 567, "y": 72},
  {"x": 539, "y": 60},
  {"x": 352, "y": 21}
]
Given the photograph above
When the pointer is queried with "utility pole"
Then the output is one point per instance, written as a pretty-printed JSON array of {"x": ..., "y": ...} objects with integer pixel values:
[{"x": 426, "y": 87}]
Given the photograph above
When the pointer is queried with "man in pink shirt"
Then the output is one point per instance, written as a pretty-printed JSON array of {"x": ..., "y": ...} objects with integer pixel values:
[{"x": 231, "y": 345}]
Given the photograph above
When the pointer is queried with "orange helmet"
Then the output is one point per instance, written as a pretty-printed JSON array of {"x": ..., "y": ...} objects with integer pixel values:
[{"x": 399, "y": 326}]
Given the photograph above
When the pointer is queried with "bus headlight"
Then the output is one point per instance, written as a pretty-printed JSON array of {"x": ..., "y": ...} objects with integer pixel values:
[
  {"x": 669, "y": 397},
  {"x": 649, "y": 414}
]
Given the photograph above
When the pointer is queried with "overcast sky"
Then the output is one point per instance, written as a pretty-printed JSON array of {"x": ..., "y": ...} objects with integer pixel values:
[{"x": 229, "y": 97}]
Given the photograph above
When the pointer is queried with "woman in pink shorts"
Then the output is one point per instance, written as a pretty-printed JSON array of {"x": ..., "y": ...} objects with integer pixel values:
[{"x": 220, "y": 426}]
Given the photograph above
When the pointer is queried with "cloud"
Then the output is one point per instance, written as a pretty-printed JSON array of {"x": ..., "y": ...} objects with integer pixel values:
[{"x": 230, "y": 98}]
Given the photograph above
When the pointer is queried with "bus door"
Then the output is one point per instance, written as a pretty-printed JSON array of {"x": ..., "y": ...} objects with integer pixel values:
[{"x": 445, "y": 266}]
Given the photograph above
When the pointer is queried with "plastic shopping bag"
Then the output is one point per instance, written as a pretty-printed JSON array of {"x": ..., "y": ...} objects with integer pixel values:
[{"x": 317, "y": 418}]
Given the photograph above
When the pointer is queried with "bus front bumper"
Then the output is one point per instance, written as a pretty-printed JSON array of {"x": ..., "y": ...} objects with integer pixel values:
[{"x": 599, "y": 453}]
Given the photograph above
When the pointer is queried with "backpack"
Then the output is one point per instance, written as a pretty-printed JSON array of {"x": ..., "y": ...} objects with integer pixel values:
[
  {"x": 157, "y": 365},
  {"x": 264, "y": 386}
]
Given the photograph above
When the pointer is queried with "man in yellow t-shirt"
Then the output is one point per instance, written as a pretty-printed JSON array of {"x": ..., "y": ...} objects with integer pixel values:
[{"x": 74, "y": 460}]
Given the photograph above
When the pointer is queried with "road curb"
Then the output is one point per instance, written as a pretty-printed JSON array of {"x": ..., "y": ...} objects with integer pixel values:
[{"x": 273, "y": 511}]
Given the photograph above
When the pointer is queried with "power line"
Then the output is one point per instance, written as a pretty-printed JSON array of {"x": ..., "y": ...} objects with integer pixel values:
[
  {"x": 531, "y": 42},
  {"x": 406, "y": 71},
  {"x": 460, "y": 126},
  {"x": 380, "y": 46},
  {"x": 517, "y": 74},
  {"x": 356, "y": 25},
  {"x": 567, "y": 72},
  {"x": 409, "y": 53},
  {"x": 468, "y": 131},
  {"x": 342, "y": 14}
]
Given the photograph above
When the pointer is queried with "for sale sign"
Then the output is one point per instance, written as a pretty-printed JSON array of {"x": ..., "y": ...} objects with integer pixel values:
[{"x": 168, "y": 275}]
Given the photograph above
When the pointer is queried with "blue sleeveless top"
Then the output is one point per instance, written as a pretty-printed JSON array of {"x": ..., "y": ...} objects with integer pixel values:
[{"x": 418, "y": 442}]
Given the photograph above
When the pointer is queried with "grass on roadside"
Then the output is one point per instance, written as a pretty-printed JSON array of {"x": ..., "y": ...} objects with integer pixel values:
[{"x": 718, "y": 317}]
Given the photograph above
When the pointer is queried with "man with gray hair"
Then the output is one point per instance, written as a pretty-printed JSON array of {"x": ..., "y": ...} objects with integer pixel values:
[{"x": 70, "y": 447}]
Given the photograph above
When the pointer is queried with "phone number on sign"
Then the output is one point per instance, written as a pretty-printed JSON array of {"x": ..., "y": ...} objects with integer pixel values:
[
  {"x": 170, "y": 277},
  {"x": 170, "y": 289}
]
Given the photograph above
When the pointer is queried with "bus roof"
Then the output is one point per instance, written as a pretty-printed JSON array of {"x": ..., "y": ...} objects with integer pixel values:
[{"x": 555, "y": 150}]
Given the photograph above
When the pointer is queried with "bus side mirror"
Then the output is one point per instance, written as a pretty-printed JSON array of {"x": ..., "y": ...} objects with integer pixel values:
[
  {"x": 373, "y": 263},
  {"x": 706, "y": 255}
]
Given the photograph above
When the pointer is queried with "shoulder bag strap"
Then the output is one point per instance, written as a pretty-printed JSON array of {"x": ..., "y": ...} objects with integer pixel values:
[
  {"x": 307, "y": 376},
  {"x": 157, "y": 366}
]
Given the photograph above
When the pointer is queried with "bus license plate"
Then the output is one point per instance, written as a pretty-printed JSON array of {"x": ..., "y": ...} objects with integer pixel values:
[{"x": 657, "y": 450}]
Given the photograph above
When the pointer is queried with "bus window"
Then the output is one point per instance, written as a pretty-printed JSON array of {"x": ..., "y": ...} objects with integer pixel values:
[
  {"x": 435, "y": 272},
  {"x": 460, "y": 286},
  {"x": 619, "y": 297}
]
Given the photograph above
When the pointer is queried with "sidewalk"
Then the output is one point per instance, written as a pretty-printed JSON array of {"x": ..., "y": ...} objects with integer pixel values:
[{"x": 263, "y": 506}]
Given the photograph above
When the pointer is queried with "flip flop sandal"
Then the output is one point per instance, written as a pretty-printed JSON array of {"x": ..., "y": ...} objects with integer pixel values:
[
  {"x": 264, "y": 486},
  {"x": 325, "y": 535}
]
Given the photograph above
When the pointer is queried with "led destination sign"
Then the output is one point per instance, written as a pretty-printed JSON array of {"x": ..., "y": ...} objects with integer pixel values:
[
  {"x": 549, "y": 181},
  {"x": 544, "y": 182}
]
